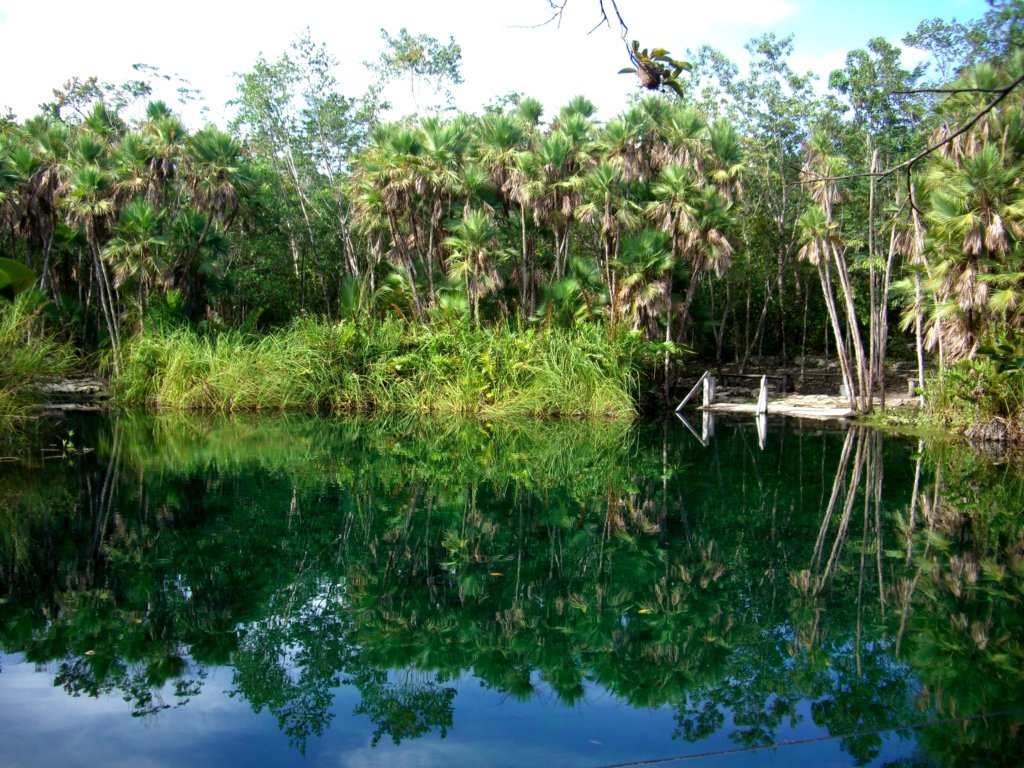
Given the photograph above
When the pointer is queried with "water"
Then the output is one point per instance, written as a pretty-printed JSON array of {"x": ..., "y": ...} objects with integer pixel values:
[{"x": 299, "y": 591}]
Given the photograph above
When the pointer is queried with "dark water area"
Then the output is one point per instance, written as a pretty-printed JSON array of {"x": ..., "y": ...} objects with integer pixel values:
[{"x": 300, "y": 591}]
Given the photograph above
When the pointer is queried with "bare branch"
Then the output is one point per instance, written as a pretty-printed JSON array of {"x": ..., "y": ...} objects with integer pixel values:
[
  {"x": 906, "y": 165},
  {"x": 945, "y": 90},
  {"x": 910, "y": 196},
  {"x": 558, "y": 10},
  {"x": 623, "y": 28}
]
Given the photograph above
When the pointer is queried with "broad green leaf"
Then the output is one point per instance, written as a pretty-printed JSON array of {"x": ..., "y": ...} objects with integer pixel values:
[{"x": 14, "y": 278}]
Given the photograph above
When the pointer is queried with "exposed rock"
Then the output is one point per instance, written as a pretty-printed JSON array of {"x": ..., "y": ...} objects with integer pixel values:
[
  {"x": 86, "y": 394},
  {"x": 80, "y": 387},
  {"x": 994, "y": 430}
]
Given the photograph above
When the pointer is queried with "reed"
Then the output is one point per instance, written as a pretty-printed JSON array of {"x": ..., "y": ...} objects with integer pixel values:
[
  {"x": 388, "y": 366},
  {"x": 30, "y": 356}
]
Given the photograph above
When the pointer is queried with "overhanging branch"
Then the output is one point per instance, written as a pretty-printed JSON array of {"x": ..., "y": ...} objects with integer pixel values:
[{"x": 906, "y": 165}]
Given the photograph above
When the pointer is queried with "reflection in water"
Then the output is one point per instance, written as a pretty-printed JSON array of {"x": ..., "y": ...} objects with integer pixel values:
[{"x": 752, "y": 582}]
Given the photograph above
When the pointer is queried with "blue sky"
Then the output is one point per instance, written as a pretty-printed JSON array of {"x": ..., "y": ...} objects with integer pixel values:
[{"x": 43, "y": 44}]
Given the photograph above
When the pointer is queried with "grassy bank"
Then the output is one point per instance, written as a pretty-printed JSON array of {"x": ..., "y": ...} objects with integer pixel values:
[
  {"x": 983, "y": 398},
  {"x": 389, "y": 367},
  {"x": 29, "y": 355}
]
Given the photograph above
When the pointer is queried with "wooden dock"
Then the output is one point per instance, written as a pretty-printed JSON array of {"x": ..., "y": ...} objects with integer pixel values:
[{"x": 821, "y": 407}]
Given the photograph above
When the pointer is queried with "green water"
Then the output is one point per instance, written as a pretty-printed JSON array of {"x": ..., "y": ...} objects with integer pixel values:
[{"x": 193, "y": 591}]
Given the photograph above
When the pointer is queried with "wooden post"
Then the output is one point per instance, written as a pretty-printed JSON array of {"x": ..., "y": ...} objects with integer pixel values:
[
  {"x": 762, "y": 397},
  {"x": 709, "y": 390},
  {"x": 708, "y": 426}
]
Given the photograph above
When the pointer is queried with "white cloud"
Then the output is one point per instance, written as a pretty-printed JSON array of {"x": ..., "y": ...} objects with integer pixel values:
[
  {"x": 207, "y": 42},
  {"x": 41, "y": 45}
]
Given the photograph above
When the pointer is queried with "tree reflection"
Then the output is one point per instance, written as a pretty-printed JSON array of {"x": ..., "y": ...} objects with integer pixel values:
[{"x": 834, "y": 575}]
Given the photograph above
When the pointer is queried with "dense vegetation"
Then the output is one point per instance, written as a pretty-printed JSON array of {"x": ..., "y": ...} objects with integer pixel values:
[{"x": 738, "y": 219}]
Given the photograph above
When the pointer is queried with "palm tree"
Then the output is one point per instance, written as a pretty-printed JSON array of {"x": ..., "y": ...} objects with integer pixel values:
[
  {"x": 498, "y": 138},
  {"x": 444, "y": 177},
  {"x": 820, "y": 169},
  {"x": 88, "y": 203},
  {"x": 216, "y": 174},
  {"x": 577, "y": 296},
  {"x": 39, "y": 166},
  {"x": 392, "y": 169},
  {"x": 977, "y": 219},
  {"x": 130, "y": 166},
  {"x": 644, "y": 259},
  {"x": 820, "y": 239},
  {"x": 605, "y": 194},
  {"x": 559, "y": 158},
  {"x": 473, "y": 243},
  {"x": 708, "y": 249},
  {"x": 168, "y": 140},
  {"x": 673, "y": 214},
  {"x": 724, "y": 166},
  {"x": 526, "y": 188},
  {"x": 134, "y": 250},
  {"x": 194, "y": 247}
]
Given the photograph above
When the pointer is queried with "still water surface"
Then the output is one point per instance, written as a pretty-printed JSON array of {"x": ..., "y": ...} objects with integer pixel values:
[{"x": 299, "y": 591}]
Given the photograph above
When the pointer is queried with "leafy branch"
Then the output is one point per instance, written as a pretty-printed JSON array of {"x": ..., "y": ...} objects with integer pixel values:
[{"x": 656, "y": 69}]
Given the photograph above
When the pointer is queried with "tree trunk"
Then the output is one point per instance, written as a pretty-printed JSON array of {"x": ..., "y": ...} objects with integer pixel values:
[
  {"x": 108, "y": 306},
  {"x": 837, "y": 331},
  {"x": 883, "y": 320},
  {"x": 873, "y": 314},
  {"x": 918, "y": 335},
  {"x": 300, "y": 194},
  {"x": 863, "y": 404}
]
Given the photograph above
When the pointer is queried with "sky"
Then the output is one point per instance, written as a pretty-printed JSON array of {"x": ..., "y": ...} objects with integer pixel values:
[{"x": 207, "y": 42}]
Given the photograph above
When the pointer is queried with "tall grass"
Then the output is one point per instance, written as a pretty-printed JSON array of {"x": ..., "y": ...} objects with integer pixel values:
[
  {"x": 389, "y": 366},
  {"x": 29, "y": 355}
]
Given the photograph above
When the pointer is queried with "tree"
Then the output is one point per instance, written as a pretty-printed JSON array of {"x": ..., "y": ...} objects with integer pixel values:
[
  {"x": 473, "y": 244},
  {"x": 424, "y": 62}
]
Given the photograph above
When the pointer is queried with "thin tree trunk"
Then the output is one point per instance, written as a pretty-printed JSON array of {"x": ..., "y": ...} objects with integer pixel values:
[
  {"x": 406, "y": 260},
  {"x": 108, "y": 307},
  {"x": 873, "y": 314},
  {"x": 668, "y": 327},
  {"x": 684, "y": 313},
  {"x": 863, "y": 404},
  {"x": 300, "y": 194},
  {"x": 837, "y": 331},
  {"x": 918, "y": 335},
  {"x": 883, "y": 321},
  {"x": 759, "y": 331},
  {"x": 524, "y": 288}
]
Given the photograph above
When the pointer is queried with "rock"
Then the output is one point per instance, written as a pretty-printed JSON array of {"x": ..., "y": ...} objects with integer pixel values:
[
  {"x": 86, "y": 386},
  {"x": 993, "y": 431}
]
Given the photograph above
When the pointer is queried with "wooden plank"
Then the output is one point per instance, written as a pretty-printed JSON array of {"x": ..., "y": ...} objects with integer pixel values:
[{"x": 692, "y": 392}]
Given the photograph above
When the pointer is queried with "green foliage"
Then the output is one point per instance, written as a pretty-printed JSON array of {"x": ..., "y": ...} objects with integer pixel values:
[
  {"x": 30, "y": 355},
  {"x": 309, "y": 207},
  {"x": 15, "y": 278},
  {"x": 983, "y": 396},
  {"x": 423, "y": 60},
  {"x": 445, "y": 367},
  {"x": 656, "y": 69}
]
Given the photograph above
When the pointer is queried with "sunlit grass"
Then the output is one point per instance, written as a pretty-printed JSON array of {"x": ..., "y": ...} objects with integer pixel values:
[
  {"x": 388, "y": 367},
  {"x": 29, "y": 355}
]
